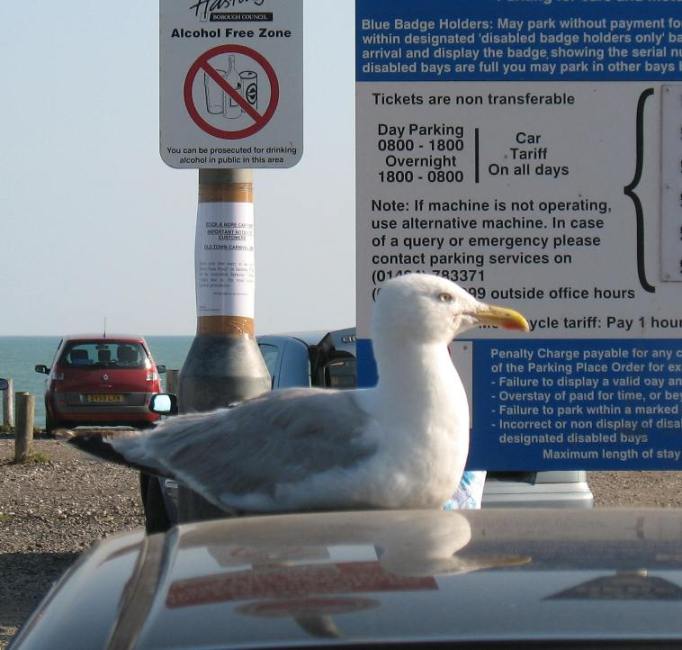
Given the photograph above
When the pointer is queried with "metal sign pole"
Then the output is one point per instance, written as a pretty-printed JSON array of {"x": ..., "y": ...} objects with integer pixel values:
[
  {"x": 231, "y": 100},
  {"x": 224, "y": 364}
]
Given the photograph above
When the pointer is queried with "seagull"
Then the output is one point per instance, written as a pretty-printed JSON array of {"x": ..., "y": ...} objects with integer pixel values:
[{"x": 401, "y": 444}]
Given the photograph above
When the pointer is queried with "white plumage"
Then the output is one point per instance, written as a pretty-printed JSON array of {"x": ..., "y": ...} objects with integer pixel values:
[{"x": 401, "y": 444}]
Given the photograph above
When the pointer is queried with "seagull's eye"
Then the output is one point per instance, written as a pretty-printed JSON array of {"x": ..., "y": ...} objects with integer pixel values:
[{"x": 445, "y": 297}]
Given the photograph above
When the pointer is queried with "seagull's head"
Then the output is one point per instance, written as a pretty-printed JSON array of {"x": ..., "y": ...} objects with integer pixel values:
[{"x": 431, "y": 309}]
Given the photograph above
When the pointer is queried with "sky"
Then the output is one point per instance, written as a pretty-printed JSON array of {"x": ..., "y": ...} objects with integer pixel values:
[{"x": 94, "y": 225}]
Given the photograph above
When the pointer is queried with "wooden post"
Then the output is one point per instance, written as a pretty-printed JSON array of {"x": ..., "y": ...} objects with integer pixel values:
[
  {"x": 8, "y": 405},
  {"x": 23, "y": 442},
  {"x": 172, "y": 381}
]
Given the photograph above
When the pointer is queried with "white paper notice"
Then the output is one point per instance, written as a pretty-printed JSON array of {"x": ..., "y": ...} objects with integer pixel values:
[{"x": 224, "y": 260}]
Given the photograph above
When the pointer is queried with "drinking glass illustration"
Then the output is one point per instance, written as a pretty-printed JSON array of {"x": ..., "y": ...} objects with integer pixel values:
[
  {"x": 249, "y": 87},
  {"x": 215, "y": 96}
]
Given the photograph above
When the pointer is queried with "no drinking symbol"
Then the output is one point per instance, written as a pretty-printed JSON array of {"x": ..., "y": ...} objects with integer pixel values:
[{"x": 224, "y": 89}]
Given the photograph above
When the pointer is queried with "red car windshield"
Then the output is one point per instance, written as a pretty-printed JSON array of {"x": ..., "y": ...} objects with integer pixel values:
[{"x": 104, "y": 354}]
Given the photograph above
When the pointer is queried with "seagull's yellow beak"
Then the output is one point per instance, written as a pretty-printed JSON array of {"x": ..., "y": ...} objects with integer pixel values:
[{"x": 502, "y": 317}]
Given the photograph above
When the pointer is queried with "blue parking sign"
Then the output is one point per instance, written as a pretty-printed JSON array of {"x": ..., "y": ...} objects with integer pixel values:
[{"x": 532, "y": 153}]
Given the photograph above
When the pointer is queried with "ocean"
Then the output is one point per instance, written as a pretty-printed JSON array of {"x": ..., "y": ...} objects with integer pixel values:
[{"x": 20, "y": 354}]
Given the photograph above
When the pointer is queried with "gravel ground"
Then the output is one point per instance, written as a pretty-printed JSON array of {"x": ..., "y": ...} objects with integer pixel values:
[
  {"x": 50, "y": 511},
  {"x": 54, "y": 508}
]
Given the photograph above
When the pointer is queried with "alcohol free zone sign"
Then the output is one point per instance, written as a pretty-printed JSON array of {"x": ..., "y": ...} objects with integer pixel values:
[
  {"x": 532, "y": 153},
  {"x": 231, "y": 83}
]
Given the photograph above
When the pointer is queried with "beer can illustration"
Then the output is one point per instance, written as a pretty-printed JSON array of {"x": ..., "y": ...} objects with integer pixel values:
[{"x": 249, "y": 87}]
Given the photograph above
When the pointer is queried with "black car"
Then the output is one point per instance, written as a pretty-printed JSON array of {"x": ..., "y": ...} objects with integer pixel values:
[{"x": 494, "y": 579}]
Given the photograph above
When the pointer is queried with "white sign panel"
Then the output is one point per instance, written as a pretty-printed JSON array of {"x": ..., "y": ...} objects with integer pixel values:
[
  {"x": 532, "y": 153},
  {"x": 231, "y": 83}
]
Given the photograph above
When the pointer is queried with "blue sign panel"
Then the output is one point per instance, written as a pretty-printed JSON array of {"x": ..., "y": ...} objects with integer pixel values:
[
  {"x": 531, "y": 151},
  {"x": 469, "y": 40},
  {"x": 577, "y": 403},
  {"x": 570, "y": 404}
]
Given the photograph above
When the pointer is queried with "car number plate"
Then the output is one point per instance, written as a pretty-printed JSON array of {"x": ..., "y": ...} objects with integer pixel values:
[{"x": 104, "y": 398}]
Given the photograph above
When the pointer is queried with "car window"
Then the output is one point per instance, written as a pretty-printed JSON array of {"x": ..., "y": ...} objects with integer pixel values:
[
  {"x": 270, "y": 355},
  {"x": 341, "y": 373},
  {"x": 104, "y": 354}
]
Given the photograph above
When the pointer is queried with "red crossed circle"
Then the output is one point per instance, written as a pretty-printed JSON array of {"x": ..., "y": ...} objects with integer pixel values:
[{"x": 203, "y": 63}]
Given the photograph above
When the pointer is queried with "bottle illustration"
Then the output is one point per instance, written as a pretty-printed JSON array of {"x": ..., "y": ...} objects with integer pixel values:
[
  {"x": 232, "y": 109},
  {"x": 220, "y": 102}
]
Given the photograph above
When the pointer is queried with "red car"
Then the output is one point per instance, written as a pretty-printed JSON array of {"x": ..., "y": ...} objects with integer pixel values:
[{"x": 101, "y": 380}]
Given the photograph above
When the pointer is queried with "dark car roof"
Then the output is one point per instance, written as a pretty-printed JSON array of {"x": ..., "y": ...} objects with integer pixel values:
[
  {"x": 343, "y": 339},
  {"x": 377, "y": 577}
]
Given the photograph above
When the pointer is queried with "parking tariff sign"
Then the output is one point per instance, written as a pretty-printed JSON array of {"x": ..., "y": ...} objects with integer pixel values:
[
  {"x": 231, "y": 83},
  {"x": 532, "y": 153}
]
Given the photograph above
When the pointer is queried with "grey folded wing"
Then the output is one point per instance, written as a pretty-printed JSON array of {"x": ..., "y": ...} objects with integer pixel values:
[{"x": 282, "y": 437}]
